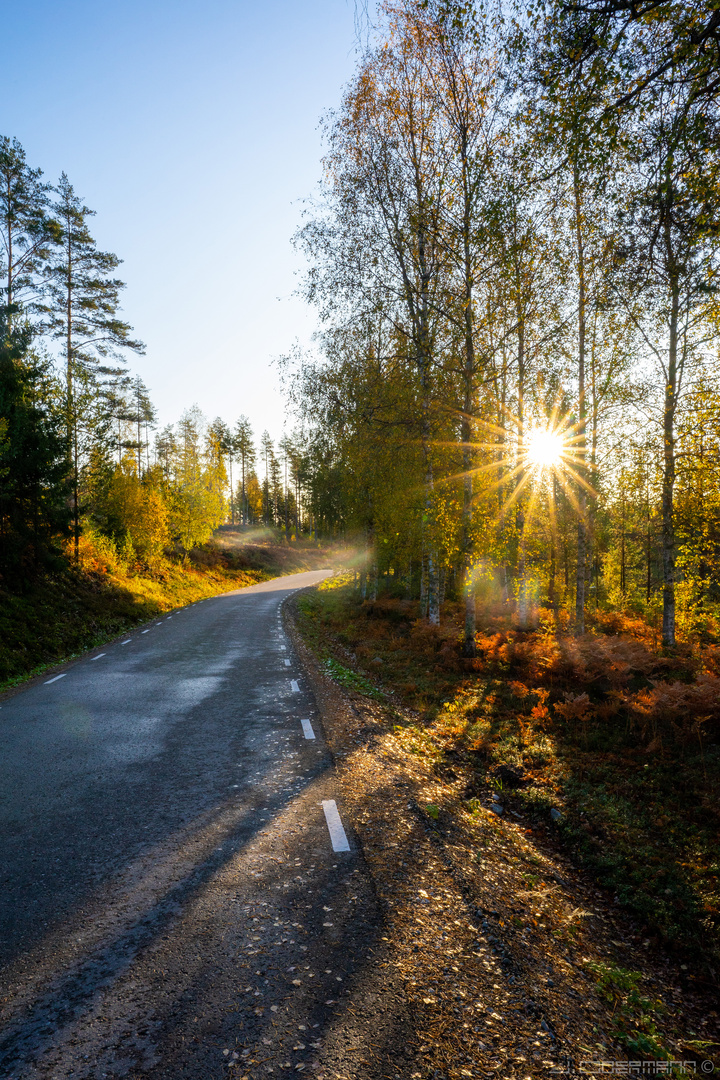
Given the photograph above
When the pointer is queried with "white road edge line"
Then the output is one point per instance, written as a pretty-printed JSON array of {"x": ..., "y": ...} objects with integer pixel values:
[
  {"x": 295, "y": 687},
  {"x": 98, "y": 656},
  {"x": 307, "y": 729},
  {"x": 56, "y": 678},
  {"x": 338, "y": 839}
]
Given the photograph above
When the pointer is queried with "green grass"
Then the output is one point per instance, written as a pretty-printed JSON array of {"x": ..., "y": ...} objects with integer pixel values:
[
  {"x": 635, "y": 1016},
  {"x": 351, "y": 680}
]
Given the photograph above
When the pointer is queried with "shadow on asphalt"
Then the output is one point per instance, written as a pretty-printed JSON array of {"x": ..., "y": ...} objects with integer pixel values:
[{"x": 144, "y": 974}]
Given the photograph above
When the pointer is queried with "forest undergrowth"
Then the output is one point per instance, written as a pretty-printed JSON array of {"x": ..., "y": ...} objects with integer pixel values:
[
  {"x": 602, "y": 742},
  {"x": 61, "y": 614}
]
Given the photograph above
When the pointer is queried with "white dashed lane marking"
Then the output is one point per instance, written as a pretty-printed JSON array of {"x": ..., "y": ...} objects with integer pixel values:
[
  {"x": 307, "y": 729},
  {"x": 144, "y": 631},
  {"x": 338, "y": 839},
  {"x": 287, "y": 663},
  {"x": 126, "y": 642},
  {"x": 98, "y": 656},
  {"x": 56, "y": 678},
  {"x": 295, "y": 687}
]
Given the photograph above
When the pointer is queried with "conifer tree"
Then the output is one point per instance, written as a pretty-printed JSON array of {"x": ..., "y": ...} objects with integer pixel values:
[
  {"x": 143, "y": 413},
  {"x": 287, "y": 451},
  {"x": 33, "y": 506},
  {"x": 245, "y": 450},
  {"x": 268, "y": 453},
  {"x": 82, "y": 313},
  {"x": 28, "y": 231},
  {"x": 166, "y": 451}
]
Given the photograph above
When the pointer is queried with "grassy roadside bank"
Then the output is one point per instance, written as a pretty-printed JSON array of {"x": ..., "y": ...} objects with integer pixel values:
[
  {"x": 598, "y": 877},
  {"x": 63, "y": 614}
]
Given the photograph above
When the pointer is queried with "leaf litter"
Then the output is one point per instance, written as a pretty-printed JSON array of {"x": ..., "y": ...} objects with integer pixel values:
[{"x": 498, "y": 942}]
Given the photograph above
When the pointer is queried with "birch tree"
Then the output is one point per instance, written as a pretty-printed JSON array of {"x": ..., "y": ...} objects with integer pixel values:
[{"x": 379, "y": 247}]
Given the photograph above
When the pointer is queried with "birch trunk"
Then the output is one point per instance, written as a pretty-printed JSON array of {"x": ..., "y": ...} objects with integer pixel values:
[
  {"x": 581, "y": 568},
  {"x": 423, "y": 584},
  {"x": 669, "y": 553},
  {"x": 468, "y": 648},
  {"x": 523, "y": 612},
  {"x": 433, "y": 575}
]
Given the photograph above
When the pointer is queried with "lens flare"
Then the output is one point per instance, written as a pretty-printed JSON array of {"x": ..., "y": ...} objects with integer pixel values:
[
  {"x": 532, "y": 463},
  {"x": 545, "y": 448}
]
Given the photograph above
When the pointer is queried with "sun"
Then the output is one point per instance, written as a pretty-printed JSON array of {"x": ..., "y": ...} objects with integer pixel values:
[{"x": 545, "y": 448}]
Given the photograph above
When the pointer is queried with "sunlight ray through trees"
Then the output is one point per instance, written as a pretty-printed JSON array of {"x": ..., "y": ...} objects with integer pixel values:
[
  {"x": 514, "y": 254},
  {"x": 514, "y": 394}
]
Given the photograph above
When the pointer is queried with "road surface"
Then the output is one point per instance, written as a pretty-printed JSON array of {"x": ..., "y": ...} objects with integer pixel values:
[{"x": 180, "y": 895}]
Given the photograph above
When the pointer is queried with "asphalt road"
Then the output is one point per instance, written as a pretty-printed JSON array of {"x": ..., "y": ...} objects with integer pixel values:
[{"x": 173, "y": 902}]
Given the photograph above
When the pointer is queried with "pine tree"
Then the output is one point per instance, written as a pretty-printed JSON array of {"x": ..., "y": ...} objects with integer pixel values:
[
  {"x": 286, "y": 449},
  {"x": 28, "y": 232},
  {"x": 33, "y": 504},
  {"x": 245, "y": 450},
  {"x": 143, "y": 413},
  {"x": 275, "y": 488},
  {"x": 83, "y": 314},
  {"x": 166, "y": 451},
  {"x": 268, "y": 452}
]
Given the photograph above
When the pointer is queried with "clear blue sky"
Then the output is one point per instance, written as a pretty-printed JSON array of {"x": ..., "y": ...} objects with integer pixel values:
[{"x": 191, "y": 127}]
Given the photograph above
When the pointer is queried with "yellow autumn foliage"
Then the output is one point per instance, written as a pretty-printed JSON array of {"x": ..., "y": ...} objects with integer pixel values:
[{"x": 141, "y": 512}]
